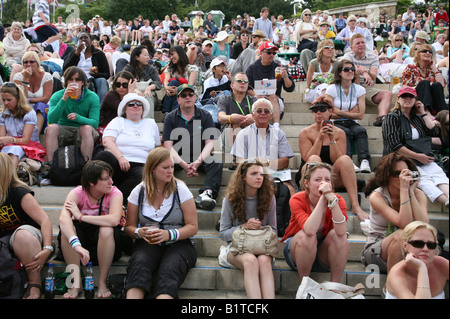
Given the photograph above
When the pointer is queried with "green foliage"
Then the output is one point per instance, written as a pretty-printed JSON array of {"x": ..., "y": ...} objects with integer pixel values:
[{"x": 15, "y": 10}]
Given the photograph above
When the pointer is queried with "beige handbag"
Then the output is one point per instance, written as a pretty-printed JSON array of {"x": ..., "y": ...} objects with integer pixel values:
[{"x": 262, "y": 241}]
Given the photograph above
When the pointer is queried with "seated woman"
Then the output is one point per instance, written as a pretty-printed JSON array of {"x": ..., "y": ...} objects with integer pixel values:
[
  {"x": 88, "y": 223},
  {"x": 167, "y": 204},
  {"x": 37, "y": 86},
  {"x": 250, "y": 203},
  {"x": 18, "y": 131},
  {"x": 123, "y": 83},
  {"x": 398, "y": 45},
  {"x": 316, "y": 238},
  {"x": 146, "y": 75},
  {"x": 26, "y": 227},
  {"x": 422, "y": 274},
  {"x": 320, "y": 71},
  {"x": 349, "y": 106},
  {"x": 178, "y": 72},
  {"x": 128, "y": 139},
  {"x": 395, "y": 201},
  {"x": 427, "y": 80},
  {"x": 324, "y": 142},
  {"x": 408, "y": 131}
]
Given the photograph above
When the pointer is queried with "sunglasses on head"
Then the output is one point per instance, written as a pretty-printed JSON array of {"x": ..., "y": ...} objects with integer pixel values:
[
  {"x": 265, "y": 111},
  {"x": 121, "y": 84},
  {"x": 135, "y": 104},
  {"x": 348, "y": 69},
  {"x": 420, "y": 244},
  {"x": 426, "y": 51},
  {"x": 241, "y": 81},
  {"x": 184, "y": 95},
  {"x": 322, "y": 109}
]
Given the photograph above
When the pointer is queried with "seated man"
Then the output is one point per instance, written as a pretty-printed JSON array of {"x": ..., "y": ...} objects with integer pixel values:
[
  {"x": 367, "y": 68},
  {"x": 263, "y": 140},
  {"x": 264, "y": 68},
  {"x": 189, "y": 134},
  {"x": 73, "y": 115}
]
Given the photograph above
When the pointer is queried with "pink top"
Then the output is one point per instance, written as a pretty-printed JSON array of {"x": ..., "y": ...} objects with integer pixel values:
[{"x": 84, "y": 203}]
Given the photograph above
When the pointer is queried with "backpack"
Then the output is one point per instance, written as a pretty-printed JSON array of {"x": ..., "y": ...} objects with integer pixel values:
[
  {"x": 13, "y": 277},
  {"x": 65, "y": 170},
  {"x": 282, "y": 197}
]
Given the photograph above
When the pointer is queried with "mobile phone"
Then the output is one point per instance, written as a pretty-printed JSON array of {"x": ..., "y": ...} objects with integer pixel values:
[{"x": 326, "y": 123}]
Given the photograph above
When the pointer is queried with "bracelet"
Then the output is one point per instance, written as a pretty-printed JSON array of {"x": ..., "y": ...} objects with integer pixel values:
[
  {"x": 79, "y": 219},
  {"x": 332, "y": 203},
  {"x": 229, "y": 120},
  {"x": 120, "y": 157},
  {"x": 342, "y": 221},
  {"x": 74, "y": 241},
  {"x": 334, "y": 142},
  {"x": 174, "y": 234},
  {"x": 15, "y": 140},
  {"x": 405, "y": 202},
  {"x": 423, "y": 287},
  {"x": 48, "y": 247}
]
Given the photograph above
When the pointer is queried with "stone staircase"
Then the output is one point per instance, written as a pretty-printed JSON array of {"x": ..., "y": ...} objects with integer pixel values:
[{"x": 210, "y": 281}]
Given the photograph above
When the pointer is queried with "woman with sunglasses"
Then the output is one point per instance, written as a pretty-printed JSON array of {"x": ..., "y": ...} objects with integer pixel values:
[
  {"x": 320, "y": 71},
  {"x": 408, "y": 131},
  {"x": 250, "y": 203},
  {"x": 146, "y": 75},
  {"x": 325, "y": 142},
  {"x": 128, "y": 139},
  {"x": 347, "y": 33},
  {"x": 37, "y": 86},
  {"x": 18, "y": 131},
  {"x": 244, "y": 42},
  {"x": 422, "y": 274},
  {"x": 306, "y": 33},
  {"x": 349, "y": 106},
  {"x": 398, "y": 45},
  {"x": 316, "y": 238},
  {"x": 427, "y": 79},
  {"x": 395, "y": 201}
]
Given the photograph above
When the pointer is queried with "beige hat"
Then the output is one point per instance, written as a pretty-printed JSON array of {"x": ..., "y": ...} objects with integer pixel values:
[
  {"x": 422, "y": 35},
  {"x": 222, "y": 35},
  {"x": 258, "y": 33},
  {"x": 133, "y": 97}
]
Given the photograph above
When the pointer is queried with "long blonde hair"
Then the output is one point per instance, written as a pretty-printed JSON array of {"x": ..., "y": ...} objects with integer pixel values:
[
  {"x": 22, "y": 107},
  {"x": 154, "y": 158},
  {"x": 8, "y": 177}
]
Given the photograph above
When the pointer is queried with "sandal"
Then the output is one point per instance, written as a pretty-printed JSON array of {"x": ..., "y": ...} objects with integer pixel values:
[
  {"x": 379, "y": 120},
  {"x": 27, "y": 293}
]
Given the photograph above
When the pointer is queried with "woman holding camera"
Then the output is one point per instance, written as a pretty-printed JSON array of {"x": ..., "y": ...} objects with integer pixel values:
[
  {"x": 395, "y": 201},
  {"x": 408, "y": 131}
]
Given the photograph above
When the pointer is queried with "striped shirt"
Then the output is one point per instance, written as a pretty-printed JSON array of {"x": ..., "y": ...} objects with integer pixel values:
[
  {"x": 369, "y": 61},
  {"x": 393, "y": 137},
  {"x": 43, "y": 7}
]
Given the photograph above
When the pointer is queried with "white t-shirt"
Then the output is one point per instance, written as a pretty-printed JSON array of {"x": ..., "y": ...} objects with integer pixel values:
[
  {"x": 158, "y": 214},
  {"x": 134, "y": 140},
  {"x": 343, "y": 101},
  {"x": 146, "y": 31}
]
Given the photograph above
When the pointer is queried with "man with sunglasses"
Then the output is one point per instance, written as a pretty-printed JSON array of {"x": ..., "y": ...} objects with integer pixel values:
[
  {"x": 264, "y": 68},
  {"x": 263, "y": 140},
  {"x": 367, "y": 68},
  {"x": 189, "y": 133}
]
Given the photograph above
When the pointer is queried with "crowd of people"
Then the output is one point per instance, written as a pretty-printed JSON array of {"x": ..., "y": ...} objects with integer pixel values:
[{"x": 94, "y": 85}]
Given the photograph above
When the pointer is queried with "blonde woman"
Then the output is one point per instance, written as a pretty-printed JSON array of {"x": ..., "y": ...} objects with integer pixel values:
[
  {"x": 26, "y": 227},
  {"x": 18, "y": 131},
  {"x": 422, "y": 274},
  {"x": 306, "y": 33},
  {"x": 37, "y": 86}
]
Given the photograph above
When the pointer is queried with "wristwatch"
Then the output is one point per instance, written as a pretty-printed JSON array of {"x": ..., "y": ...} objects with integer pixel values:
[
  {"x": 48, "y": 247},
  {"x": 307, "y": 90},
  {"x": 136, "y": 234}
]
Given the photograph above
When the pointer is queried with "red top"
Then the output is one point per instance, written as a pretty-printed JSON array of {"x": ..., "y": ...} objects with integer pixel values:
[{"x": 301, "y": 210}]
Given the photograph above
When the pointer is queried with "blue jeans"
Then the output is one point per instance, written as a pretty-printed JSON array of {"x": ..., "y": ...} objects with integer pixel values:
[
  {"x": 102, "y": 88},
  {"x": 170, "y": 103}
]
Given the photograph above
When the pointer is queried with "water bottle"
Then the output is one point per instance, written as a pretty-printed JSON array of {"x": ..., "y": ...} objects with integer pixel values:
[
  {"x": 50, "y": 283},
  {"x": 89, "y": 282}
]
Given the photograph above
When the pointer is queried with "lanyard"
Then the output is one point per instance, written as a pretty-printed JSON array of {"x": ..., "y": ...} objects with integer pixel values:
[
  {"x": 239, "y": 106},
  {"x": 351, "y": 92}
]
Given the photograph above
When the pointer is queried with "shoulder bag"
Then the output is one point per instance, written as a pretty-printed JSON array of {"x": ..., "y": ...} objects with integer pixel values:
[{"x": 262, "y": 241}]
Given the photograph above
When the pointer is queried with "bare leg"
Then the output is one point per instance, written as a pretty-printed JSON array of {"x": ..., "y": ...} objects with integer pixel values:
[
  {"x": 334, "y": 253},
  {"x": 105, "y": 252},
  {"x": 249, "y": 264},
  {"x": 87, "y": 141},
  {"x": 51, "y": 140},
  {"x": 303, "y": 251}
]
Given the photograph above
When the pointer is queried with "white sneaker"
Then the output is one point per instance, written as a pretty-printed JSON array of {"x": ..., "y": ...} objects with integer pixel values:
[
  {"x": 365, "y": 166},
  {"x": 205, "y": 200},
  {"x": 357, "y": 169}
]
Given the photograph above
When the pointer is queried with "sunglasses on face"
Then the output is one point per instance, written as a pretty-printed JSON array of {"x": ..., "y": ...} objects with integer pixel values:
[
  {"x": 351, "y": 20},
  {"x": 383, "y": 58},
  {"x": 265, "y": 111},
  {"x": 29, "y": 62},
  {"x": 241, "y": 81},
  {"x": 184, "y": 95},
  {"x": 322, "y": 109},
  {"x": 270, "y": 52},
  {"x": 328, "y": 47},
  {"x": 307, "y": 14},
  {"x": 426, "y": 51},
  {"x": 348, "y": 69},
  {"x": 121, "y": 84},
  {"x": 420, "y": 244},
  {"x": 135, "y": 104},
  {"x": 407, "y": 96},
  {"x": 398, "y": 40}
]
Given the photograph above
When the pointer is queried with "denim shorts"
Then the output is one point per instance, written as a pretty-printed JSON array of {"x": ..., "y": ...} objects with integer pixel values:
[{"x": 317, "y": 266}]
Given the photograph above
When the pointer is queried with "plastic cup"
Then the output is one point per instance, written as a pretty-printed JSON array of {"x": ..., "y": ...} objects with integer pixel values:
[
  {"x": 75, "y": 94},
  {"x": 151, "y": 227},
  {"x": 278, "y": 73}
]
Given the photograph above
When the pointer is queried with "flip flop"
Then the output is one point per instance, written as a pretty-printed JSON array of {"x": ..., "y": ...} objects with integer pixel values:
[{"x": 27, "y": 293}]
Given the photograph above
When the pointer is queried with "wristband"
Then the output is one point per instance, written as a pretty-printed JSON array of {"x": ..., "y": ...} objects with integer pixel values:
[
  {"x": 74, "y": 241},
  {"x": 332, "y": 203},
  {"x": 334, "y": 142},
  {"x": 136, "y": 234},
  {"x": 48, "y": 247},
  {"x": 229, "y": 120}
]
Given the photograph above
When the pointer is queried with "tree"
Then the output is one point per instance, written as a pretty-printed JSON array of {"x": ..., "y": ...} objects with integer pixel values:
[{"x": 15, "y": 10}]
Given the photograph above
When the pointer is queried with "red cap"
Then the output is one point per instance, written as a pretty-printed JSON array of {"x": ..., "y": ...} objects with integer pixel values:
[
  {"x": 407, "y": 89},
  {"x": 268, "y": 46}
]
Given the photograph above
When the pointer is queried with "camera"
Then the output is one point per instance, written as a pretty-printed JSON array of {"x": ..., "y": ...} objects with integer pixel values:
[
  {"x": 415, "y": 175},
  {"x": 326, "y": 123}
]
